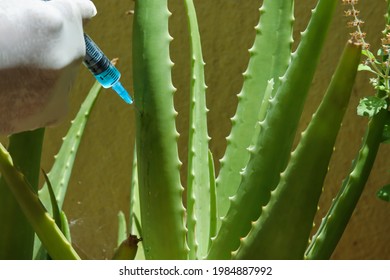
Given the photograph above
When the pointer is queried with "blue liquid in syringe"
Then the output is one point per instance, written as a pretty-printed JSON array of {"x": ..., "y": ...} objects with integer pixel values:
[{"x": 103, "y": 70}]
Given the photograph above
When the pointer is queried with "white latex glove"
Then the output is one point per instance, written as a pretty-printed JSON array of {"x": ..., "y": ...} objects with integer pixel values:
[{"x": 41, "y": 48}]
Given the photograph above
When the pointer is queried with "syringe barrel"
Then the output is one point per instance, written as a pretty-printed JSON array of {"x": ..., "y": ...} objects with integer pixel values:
[{"x": 99, "y": 65}]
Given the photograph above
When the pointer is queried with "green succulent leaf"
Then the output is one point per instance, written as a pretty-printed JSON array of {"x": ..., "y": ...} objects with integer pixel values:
[
  {"x": 16, "y": 234},
  {"x": 65, "y": 226},
  {"x": 54, "y": 205},
  {"x": 61, "y": 170},
  {"x": 160, "y": 189},
  {"x": 213, "y": 200},
  {"x": 270, "y": 56},
  {"x": 335, "y": 221},
  {"x": 48, "y": 232},
  {"x": 122, "y": 228},
  {"x": 283, "y": 228},
  {"x": 273, "y": 146},
  {"x": 198, "y": 194}
]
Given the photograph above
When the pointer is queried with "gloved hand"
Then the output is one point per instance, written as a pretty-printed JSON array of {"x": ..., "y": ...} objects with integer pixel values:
[{"x": 41, "y": 47}]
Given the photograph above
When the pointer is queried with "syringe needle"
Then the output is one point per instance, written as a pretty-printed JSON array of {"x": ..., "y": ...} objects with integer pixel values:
[
  {"x": 122, "y": 92},
  {"x": 103, "y": 70}
]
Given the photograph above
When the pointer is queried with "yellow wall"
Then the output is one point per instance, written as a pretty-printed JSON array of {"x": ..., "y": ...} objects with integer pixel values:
[{"x": 101, "y": 178}]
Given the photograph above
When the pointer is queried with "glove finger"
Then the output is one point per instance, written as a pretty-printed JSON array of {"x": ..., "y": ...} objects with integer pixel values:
[{"x": 85, "y": 8}]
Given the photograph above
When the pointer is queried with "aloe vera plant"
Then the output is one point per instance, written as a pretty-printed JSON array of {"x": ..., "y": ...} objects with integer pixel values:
[
  {"x": 263, "y": 202},
  {"x": 266, "y": 159}
]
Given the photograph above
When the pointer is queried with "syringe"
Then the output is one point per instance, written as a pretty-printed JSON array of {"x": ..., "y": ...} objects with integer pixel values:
[{"x": 103, "y": 70}]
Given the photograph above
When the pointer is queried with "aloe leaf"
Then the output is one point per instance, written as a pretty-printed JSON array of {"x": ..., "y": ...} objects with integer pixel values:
[
  {"x": 41, "y": 253},
  {"x": 44, "y": 226},
  {"x": 335, "y": 221},
  {"x": 59, "y": 218},
  {"x": 269, "y": 58},
  {"x": 283, "y": 229},
  {"x": 198, "y": 188},
  {"x": 54, "y": 205},
  {"x": 213, "y": 200},
  {"x": 16, "y": 234},
  {"x": 270, "y": 154},
  {"x": 61, "y": 170},
  {"x": 262, "y": 112},
  {"x": 134, "y": 208},
  {"x": 140, "y": 252},
  {"x": 122, "y": 231},
  {"x": 65, "y": 226},
  {"x": 56, "y": 214},
  {"x": 135, "y": 227},
  {"x": 157, "y": 153}
]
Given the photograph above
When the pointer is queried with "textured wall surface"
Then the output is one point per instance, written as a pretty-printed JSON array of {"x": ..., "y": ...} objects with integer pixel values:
[{"x": 101, "y": 179}]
